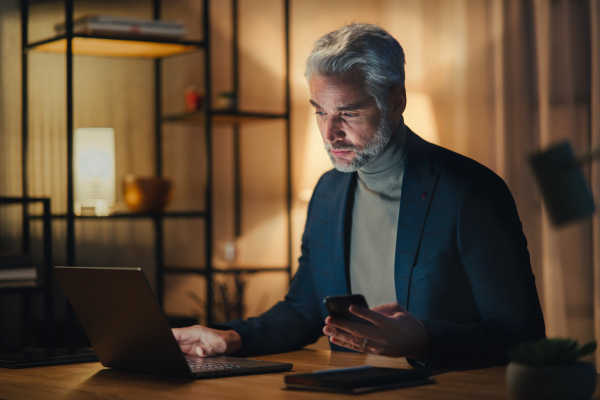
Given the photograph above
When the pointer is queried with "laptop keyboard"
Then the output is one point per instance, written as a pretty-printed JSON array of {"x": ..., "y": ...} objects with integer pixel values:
[{"x": 210, "y": 366}]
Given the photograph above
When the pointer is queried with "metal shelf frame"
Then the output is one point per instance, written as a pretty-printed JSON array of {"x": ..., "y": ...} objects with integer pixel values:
[{"x": 72, "y": 44}]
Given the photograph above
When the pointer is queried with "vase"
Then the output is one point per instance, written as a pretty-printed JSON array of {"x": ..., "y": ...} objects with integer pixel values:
[
  {"x": 146, "y": 194},
  {"x": 559, "y": 381}
]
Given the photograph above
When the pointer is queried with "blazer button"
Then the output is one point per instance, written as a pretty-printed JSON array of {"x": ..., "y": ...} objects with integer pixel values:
[{"x": 423, "y": 195}]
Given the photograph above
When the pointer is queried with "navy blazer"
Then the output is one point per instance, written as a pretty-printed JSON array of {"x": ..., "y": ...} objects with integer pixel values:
[{"x": 461, "y": 266}]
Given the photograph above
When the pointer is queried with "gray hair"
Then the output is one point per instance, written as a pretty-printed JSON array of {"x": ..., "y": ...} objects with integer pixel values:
[{"x": 365, "y": 48}]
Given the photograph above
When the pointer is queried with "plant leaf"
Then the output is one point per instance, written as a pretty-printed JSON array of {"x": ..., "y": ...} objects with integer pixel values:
[{"x": 550, "y": 351}]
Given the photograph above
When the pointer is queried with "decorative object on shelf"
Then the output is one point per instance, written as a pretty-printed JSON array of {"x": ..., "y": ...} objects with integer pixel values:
[
  {"x": 17, "y": 269},
  {"x": 228, "y": 249},
  {"x": 226, "y": 101},
  {"x": 94, "y": 172},
  {"x": 230, "y": 297},
  {"x": 549, "y": 369},
  {"x": 146, "y": 194},
  {"x": 193, "y": 99},
  {"x": 111, "y": 25},
  {"x": 230, "y": 290}
]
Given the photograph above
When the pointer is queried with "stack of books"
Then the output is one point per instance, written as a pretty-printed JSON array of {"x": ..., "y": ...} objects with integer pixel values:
[
  {"x": 17, "y": 270},
  {"x": 104, "y": 25}
]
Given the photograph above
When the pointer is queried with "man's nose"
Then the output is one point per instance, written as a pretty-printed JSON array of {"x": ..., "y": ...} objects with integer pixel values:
[{"x": 333, "y": 129}]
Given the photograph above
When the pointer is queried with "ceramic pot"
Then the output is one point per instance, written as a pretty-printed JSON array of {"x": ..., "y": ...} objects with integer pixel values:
[
  {"x": 146, "y": 194},
  {"x": 560, "y": 381}
]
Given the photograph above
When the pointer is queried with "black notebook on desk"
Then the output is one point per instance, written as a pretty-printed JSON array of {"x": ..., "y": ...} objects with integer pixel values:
[
  {"x": 363, "y": 379},
  {"x": 129, "y": 331}
]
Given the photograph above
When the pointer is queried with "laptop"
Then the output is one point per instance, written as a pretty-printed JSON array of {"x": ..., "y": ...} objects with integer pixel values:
[{"x": 129, "y": 331}]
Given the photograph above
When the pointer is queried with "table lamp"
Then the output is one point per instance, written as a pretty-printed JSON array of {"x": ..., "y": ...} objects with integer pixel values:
[
  {"x": 562, "y": 184},
  {"x": 94, "y": 170}
]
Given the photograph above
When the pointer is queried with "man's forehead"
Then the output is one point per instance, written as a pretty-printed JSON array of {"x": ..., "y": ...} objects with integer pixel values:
[{"x": 347, "y": 92}]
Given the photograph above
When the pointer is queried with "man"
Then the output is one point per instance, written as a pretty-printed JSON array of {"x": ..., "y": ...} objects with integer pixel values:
[{"x": 432, "y": 239}]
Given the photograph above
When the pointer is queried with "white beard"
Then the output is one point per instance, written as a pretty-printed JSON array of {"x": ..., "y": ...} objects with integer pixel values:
[{"x": 370, "y": 151}]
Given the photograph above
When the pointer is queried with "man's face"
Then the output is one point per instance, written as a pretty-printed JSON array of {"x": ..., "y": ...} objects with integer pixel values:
[{"x": 350, "y": 122}]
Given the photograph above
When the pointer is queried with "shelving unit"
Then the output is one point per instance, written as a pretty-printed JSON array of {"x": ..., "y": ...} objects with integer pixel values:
[
  {"x": 43, "y": 281},
  {"x": 155, "y": 50},
  {"x": 235, "y": 117}
]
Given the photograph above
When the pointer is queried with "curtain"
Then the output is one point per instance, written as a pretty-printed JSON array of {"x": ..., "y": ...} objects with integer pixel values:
[
  {"x": 595, "y": 135},
  {"x": 542, "y": 73},
  {"x": 552, "y": 78},
  {"x": 522, "y": 76}
]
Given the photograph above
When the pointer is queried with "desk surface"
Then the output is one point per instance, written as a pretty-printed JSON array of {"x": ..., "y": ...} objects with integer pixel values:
[{"x": 92, "y": 381}]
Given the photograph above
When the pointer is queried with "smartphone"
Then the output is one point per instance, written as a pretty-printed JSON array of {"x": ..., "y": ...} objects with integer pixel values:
[{"x": 338, "y": 306}]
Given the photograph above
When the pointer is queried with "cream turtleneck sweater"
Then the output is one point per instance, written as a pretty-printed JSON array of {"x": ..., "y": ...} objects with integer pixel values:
[{"x": 375, "y": 223}]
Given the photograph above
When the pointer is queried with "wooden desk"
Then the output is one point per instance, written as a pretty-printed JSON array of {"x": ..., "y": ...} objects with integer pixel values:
[{"x": 92, "y": 381}]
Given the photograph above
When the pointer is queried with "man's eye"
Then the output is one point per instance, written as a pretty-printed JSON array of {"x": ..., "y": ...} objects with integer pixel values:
[
  {"x": 349, "y": 115},
  {"x": 319, "y": 112}
]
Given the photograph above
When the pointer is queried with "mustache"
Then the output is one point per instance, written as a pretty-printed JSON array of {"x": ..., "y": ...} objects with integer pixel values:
[{"x": 341, "y": 146}]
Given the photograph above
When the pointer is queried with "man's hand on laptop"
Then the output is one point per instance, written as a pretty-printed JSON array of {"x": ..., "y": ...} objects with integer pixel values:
[{"x": 207, "y": 342}]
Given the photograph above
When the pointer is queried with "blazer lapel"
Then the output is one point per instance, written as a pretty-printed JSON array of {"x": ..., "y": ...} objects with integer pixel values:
[
  {"x": 417, "y": 190},
  {"x": 341, "y": 214}
]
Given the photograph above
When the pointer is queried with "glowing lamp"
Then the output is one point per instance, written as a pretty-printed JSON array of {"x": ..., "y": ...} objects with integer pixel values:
[{"x": 94, "y": 170}]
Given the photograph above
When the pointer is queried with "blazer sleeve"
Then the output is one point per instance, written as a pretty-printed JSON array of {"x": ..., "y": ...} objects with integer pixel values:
[
  {"x": 290, "y": 324},
  {"x": 494, "y": 255}
]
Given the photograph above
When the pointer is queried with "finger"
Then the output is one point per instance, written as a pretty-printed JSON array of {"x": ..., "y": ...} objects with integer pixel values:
[
  {"x": 338, "y": 335},
  {"x": 354, "y": 328},
  {"x": 389, "y": 309},
  {"x": 183, "y": 335},
  {"x": 373, "y": 317},
  {"x": 205, "y": 350},
  {"x": 351, "y": 345}
]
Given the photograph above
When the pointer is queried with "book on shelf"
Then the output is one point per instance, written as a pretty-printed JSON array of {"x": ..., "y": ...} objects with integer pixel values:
[
  {"x": 16, "y": 269},
  {"x": 26, "y": 283},
  {"x": 18, "y": 274},
  {"x": 111, "y": 25}
]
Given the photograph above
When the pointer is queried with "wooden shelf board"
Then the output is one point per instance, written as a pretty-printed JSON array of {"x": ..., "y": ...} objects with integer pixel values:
[
  {"x": 115, "y": 47},
  {"x": 131, "y": 215}
]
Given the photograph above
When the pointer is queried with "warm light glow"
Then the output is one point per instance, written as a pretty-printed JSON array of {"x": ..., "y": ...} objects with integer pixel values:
[
  {"x": 420, "y": 117},
  {"x": 94, "y": 169},
  {"x": 315, "y": 161},
  {"x": 116, "y": 48}
]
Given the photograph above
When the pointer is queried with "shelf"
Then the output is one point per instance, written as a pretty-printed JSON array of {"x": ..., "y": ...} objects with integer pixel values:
[
  {"x": 224, "y": 117},
  {"x": 117, "y": 47},
  {"x": 7, "y": 286},
  {"x": 126, "y": 215},
  {"x": 124, "y": 45}
]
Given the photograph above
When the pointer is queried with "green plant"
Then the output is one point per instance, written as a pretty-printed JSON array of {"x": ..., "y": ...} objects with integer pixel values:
[{"x": 550, "y": 351}]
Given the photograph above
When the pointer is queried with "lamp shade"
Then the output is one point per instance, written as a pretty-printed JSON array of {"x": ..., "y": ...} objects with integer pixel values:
[
  {"x": 94, "y": 168},
  {"x": 562, "y": 184}
]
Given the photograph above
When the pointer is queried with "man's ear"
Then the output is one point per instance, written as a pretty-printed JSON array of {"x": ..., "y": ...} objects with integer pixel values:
[{"x": 398, "y": 100}]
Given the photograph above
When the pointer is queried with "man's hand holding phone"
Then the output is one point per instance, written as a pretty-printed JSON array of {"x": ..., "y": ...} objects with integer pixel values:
[
  {"x": 387, "y": 330},
  {"x": 339, "y": 307}
]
